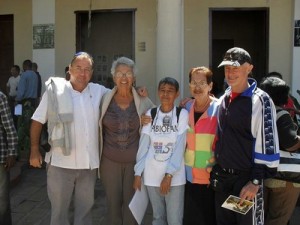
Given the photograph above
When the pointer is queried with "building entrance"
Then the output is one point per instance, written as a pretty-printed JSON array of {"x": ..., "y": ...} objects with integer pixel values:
[
  {"x": 108, "y": 35},
  {"x": 245, "y": 28},
  {"x": 6, "y": 49}
]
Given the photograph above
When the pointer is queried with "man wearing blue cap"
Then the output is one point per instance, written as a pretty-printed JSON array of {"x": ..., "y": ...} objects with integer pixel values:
[{"x": 247, "y": 148}]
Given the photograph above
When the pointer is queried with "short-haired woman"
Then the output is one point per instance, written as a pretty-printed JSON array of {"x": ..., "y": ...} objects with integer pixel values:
[{"x": 119, "y": 138}]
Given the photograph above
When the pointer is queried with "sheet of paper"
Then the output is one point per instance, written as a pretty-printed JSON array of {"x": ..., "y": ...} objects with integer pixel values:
[
  {"x": 233, "y": 203},
  {"x": 139, "y": 203},
  {"x": 18, "y": 110}
]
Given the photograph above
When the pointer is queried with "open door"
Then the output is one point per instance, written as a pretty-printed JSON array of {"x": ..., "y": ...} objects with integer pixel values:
[
  {"x": 239, "y": 27},
  {"x": 6, "y": 49},
  {"x": 111, "y": 35}
]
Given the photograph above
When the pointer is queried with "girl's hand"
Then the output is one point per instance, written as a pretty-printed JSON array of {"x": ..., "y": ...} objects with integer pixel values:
[
  {"x": 137, "y": 183},
  {"x": 165, "y": 185}
]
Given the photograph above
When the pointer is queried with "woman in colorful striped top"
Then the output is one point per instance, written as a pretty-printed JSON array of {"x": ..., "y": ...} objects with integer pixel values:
[{"x": 199, "y": 153}]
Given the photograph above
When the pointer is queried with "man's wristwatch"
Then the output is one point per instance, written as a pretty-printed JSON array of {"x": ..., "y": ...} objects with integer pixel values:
[
  {"x": 168, "y": 175},
  {"x": 256, "y": 182}
]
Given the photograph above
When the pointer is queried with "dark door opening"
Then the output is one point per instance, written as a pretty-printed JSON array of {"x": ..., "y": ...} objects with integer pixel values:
[
  {"x": 6, "y": 48},
  {"x": 245, "y": 28},
  {"x": 111, "y": 36}
]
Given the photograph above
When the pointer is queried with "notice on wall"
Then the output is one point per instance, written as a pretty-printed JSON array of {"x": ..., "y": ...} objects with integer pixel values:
[{"x": 43, "y": 36}]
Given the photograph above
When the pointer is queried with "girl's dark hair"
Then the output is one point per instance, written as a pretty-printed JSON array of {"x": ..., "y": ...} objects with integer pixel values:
[
  {"x": 277, "y": 89},
  {"x": 169, "y": 80}
]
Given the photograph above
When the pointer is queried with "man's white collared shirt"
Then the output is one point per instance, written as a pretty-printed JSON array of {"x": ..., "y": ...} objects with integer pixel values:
[{"x": 84, "y": 129}]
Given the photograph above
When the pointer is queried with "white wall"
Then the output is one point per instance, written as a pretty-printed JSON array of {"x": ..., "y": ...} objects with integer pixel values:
[
  {"x": 43, "y": 12},
  {"x": 296, "y": 57},
  {"x": 169, "y": 48}
]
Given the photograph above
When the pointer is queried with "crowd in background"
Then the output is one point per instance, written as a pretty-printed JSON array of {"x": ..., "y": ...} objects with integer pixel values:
[{"x": 23, "y": 89}]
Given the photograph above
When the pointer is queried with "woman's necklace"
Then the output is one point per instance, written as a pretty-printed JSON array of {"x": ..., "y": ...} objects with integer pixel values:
[{"x": 203, "y": 107}]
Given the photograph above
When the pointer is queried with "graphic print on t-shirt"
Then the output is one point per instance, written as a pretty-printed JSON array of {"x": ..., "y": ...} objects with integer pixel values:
[{"x": 162, "y": 150}]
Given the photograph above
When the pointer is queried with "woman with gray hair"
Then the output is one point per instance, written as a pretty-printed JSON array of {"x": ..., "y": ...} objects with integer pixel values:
[{"x": 119, "y": 138}]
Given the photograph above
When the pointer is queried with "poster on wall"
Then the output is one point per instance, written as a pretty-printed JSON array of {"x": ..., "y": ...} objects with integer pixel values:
[
  {"x": 297, "y": 34},
  {"x": 43, "y": 36}
]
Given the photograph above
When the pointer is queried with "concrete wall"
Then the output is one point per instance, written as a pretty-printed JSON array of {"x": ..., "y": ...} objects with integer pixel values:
[
  {"x": 45, "y": 58},
  {"x": 281, "y": 37}
]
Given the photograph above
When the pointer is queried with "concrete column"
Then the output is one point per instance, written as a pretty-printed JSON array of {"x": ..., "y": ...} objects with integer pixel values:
[
  {"x": 170, "y": 41},
  {"x": 43, "y": 12},
  {"x": 296, "y": 55}
]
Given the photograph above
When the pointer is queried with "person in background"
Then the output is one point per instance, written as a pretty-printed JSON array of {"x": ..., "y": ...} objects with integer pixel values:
[
  {"x": 27, "y": 96},
  {"x": 160, "y": 157},
  {"x": 8, "y": 153},
  {"x": 280, "y": 197},
  {"x": 71, "y": 109},
  {"x": 199, "y": 154},
  {"x": 39, "y": 87},
  {"x": 247, "y": 149},
  {"x": 28, "y": 85},
  {"x": 12, "y": 83},
  {"x": 12, "y": 86},
  {"x": 292, "y": 104},
  {"x": 119, "y": 137}
]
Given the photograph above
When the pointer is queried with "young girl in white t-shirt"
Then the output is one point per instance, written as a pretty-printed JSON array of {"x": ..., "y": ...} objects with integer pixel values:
[{"x": 160, "y": 156}]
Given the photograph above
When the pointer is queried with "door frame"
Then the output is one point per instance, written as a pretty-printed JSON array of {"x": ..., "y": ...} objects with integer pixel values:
[
  {"x": 265, "y": 39},
  {"x": 78, "y": 27}
]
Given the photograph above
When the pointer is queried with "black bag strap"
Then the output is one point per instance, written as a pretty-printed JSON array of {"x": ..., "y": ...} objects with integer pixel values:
[
  {"x": 153, "y": 114},
  {"x": 154, "y": 111},
  {"x": 178, "y": 110},
  {"x": 280, "y": 112}
]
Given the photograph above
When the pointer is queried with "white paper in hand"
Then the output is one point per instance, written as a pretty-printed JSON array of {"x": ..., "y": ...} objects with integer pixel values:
[
  {"x": 18, "y": 110},
  {"x": 139, "y": 203}
]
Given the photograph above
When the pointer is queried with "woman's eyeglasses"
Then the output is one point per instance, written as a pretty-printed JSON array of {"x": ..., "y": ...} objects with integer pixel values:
[
  {"x": 120, "y": 74},
  {"x": 201, "y": 84}
]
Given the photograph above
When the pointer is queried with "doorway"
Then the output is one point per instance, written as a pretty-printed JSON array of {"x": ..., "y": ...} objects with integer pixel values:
[
  {"x": 6, "y": 49},
  {"x": 239, "y": 27},
  {"x": 111, "y": 35}
]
